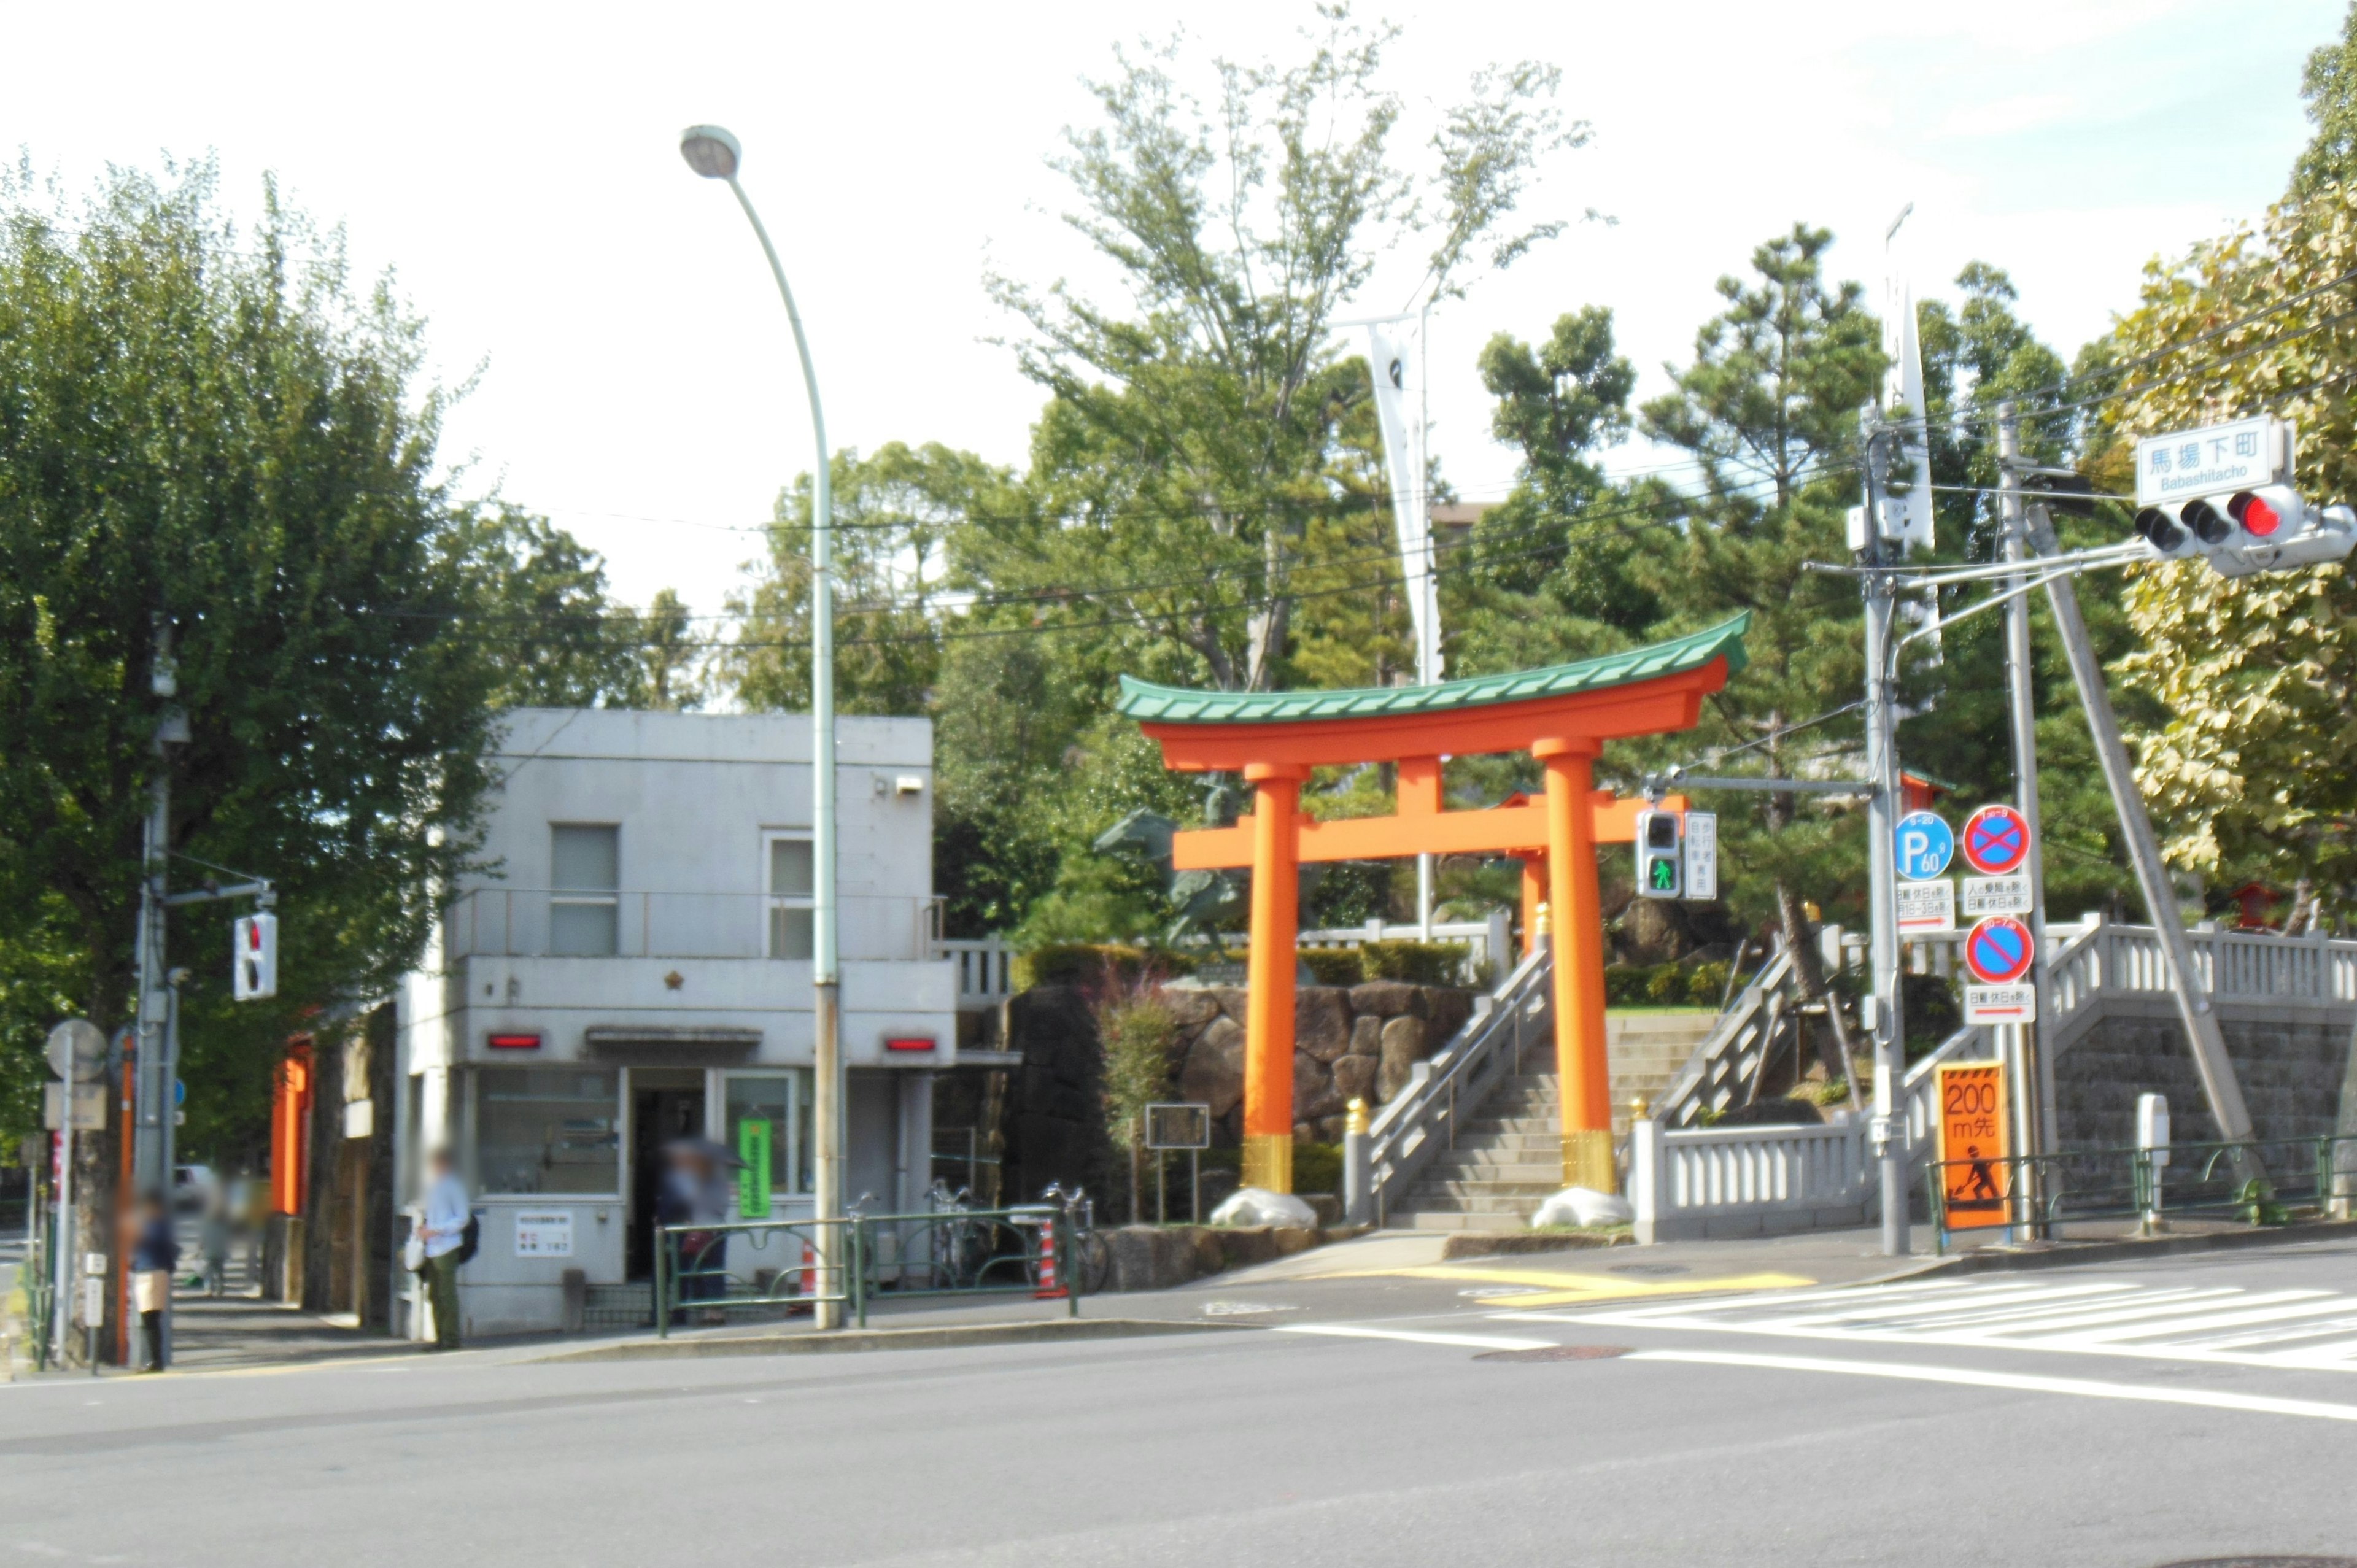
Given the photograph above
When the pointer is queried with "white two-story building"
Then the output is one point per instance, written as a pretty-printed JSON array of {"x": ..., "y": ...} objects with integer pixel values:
[{"x": 635, "y": 965}]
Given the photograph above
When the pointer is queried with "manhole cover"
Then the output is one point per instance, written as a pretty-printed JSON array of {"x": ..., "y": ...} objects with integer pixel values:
[
  {"x": 1557, "y": 1353},
  {"x": 1648, "y": 1268}
]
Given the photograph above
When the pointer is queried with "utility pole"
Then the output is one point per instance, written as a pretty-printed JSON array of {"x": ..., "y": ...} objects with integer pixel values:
[
  {"x": 2029, "y": 1073},
  {"x": 1890, "y": 1125},
  {"x": 2218, "y": 1085},
  {"x": 151, "y": 1169}
]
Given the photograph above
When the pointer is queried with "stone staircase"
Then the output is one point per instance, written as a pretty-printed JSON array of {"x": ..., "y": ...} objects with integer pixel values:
[{"x": 1510, "y": 1156}]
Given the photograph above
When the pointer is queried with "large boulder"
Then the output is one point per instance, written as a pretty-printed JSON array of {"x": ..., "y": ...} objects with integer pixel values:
[
  {"x": 1354, "y": 1076},
  {"x": 1403, "y": 1046},
  {"x": 1386, "y": 998},
  {"x": 1213, "y": 1072},
  {"x": 1191, "y": 1005},
  {"x": 1322, "y": 1022},
  {"x": 1446, "y": 1011},
  {"x": 1313, "y": 1089},
  {"x": 1150, "y": 1257},
  {"x": 1366, "y": 1035}
]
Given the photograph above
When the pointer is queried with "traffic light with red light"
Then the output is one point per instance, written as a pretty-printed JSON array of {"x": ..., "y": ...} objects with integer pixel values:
[{"x": 2268, "y": 528}]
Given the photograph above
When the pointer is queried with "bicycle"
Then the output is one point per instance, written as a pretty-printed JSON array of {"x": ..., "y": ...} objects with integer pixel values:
[{"x": 1088, "y": 1257}]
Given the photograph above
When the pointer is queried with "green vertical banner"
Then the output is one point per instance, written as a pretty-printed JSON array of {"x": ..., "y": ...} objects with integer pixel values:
[{"x": 753, "y": 1182}]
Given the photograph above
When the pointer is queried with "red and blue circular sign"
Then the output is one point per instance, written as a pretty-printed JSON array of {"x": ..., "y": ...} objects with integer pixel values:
[
  {"x": 1997, "y": 841},
  {"x": 1998, "y": 950}
]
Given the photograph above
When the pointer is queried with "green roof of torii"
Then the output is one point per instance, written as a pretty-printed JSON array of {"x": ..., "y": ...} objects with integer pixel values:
[{"x": 1150, "y": 703}]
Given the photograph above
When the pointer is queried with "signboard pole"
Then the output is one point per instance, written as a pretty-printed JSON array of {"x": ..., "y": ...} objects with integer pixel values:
[
  {"x": 1889, "y": 1125},
  {"x": 2034, "y": 1076},
  {"x": 2220, "y": 1087}
]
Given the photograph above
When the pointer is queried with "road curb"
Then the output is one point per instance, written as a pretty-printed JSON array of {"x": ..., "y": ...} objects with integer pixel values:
[
  {"x": 856, "y": 1340},
  {"x": 1994, "y": 1261}
]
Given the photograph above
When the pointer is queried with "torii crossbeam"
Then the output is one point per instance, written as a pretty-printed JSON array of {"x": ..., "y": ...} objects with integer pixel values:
[{"x": 1562, "y": 714}]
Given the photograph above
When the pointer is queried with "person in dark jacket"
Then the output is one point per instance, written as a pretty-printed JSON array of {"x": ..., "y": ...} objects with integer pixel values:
[{"x": 153, "y": 1257}]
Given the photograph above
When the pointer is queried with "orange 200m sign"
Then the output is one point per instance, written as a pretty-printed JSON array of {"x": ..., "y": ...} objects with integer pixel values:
[{"x": 1974, "y": 1179}]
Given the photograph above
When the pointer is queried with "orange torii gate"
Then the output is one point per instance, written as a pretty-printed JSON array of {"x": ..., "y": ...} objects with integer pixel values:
[{"x": 1562, "y": 715}]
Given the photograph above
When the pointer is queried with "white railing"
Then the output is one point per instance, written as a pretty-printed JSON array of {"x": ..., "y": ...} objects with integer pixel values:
[
  {"x": 540, "y": 922},
  {"x": 1685, "y": 1184},
  {"x": 1727, "y": 1063},
  {"x": 985, "y": 970}
]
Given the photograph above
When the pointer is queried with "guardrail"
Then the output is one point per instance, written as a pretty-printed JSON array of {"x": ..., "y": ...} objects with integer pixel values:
[
  {"x": 696, "y": 1271},
  {"x": 985, "y": 1251},
  {"x": 1687, "y": 1184},
  {"x": 1454, "y": 1082},
  {"x": 2307, "y": 1176}
]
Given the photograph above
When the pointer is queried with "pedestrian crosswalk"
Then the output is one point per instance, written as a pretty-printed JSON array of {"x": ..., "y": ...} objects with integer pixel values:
[{"x": 2313, "y": 1329}]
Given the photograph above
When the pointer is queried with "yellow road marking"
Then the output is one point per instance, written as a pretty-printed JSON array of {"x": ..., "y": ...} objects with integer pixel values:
[{"x": 1553, "y": 1288}]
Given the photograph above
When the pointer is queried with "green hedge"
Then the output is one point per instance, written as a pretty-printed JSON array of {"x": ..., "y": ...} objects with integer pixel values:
[
  {"x": 1317, "y": 1167},
  {"x": 1334, "y": 966},
  {"x": 1664, "y": 985},
  {"x": 1095, "y": 963}
]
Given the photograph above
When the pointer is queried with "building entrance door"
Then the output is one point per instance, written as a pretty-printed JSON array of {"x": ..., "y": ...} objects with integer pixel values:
[{"x": 665, "y": 1103}]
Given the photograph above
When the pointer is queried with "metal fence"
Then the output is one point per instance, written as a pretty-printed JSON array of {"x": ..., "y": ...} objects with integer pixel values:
[
  {"x": 771, "y": 1268},
  {"x": 2260, "y": 1181}
]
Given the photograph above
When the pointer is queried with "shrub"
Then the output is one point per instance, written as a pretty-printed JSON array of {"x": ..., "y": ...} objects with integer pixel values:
[
  {"x": 1417, "y": 963},
  {"x": 1667, "y": 986},
  {"x": 1334, "y": 966},
  {"x": 1705, "y": 983},
  {"x": 1097, "y": 963}
]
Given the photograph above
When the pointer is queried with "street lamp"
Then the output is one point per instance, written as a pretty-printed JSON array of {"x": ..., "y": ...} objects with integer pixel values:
[{"x": 716, "y": 155}]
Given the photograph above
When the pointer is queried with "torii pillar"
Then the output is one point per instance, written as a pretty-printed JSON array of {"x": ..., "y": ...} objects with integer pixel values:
[{"x": 1561, "y": 715}]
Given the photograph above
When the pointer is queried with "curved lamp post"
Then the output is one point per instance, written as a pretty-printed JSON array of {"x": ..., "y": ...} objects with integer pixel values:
[{"x": 716, "y": 155}]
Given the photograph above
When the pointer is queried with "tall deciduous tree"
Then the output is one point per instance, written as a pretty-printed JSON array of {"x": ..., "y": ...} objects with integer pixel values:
[{"x": 212, "y": 441}]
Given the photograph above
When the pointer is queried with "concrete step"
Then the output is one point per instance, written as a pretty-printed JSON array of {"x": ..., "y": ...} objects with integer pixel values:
[
  {"x": 1502, "y": 1142},
  {"x": 1435, "y": 1219},
  {"x": 1533, "y": 1181},
  {"x": 1519, "y": 1203}
]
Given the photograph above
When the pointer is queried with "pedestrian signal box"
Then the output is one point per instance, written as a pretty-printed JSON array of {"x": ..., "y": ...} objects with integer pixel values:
[
  {"x": 1661, "y": 871},
  {"x": 253, "y": 961}
]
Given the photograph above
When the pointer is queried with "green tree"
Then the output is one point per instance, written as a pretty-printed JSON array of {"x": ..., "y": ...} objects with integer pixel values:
[
  {"x": 212, "y": 440},
  {"x": 2330, "y": 85}
]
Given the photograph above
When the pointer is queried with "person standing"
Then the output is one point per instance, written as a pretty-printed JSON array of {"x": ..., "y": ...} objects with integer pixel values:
[
  {"x": 444, "y": 1232},
  {"x": 212, "y": 1235},
  {"x": 153, "y": 1257}
]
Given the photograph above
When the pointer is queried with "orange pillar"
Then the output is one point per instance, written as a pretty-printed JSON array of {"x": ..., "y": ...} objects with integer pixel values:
[
  {"x": 1534, "y": 893},
  {"x": 1577, "y": 930},
  {"x": 1269, "y": 1008}
]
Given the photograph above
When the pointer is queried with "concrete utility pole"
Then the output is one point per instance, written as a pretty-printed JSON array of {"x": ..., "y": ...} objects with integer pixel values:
[
  {"x": 152, "y": 1058},
  {"x": 2029, "y": 1073},
  {"x": 2218, "y": 1085},
  {"x": 1889, "y": 1124},
  {"x": 715, "y": 153}
]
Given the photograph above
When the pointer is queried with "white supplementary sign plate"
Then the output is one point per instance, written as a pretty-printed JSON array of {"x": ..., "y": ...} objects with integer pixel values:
[
  {"x": 1927, "y": 907},
  {"x": 2000, "y": 1003},
  {"x": 543, "y": 1233},
  {"x": 2184, "y": 463},
  {"x": 1996, "y": 895},
  {"x": 1702, "y": 854}
]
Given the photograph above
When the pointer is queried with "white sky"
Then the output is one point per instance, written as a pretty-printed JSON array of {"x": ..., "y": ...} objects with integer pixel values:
[{"x": 518, "y": 167}]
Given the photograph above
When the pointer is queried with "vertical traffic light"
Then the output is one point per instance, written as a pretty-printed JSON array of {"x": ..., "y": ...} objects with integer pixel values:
[
  {"x": 254, "y": 959},
  {"x": 1661, "y": 856}
]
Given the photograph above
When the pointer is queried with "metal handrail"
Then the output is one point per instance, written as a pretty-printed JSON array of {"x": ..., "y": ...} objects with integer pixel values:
[
  {"x": 1674, "y": 1107},
  {"x": 1421, "y": 1119}
]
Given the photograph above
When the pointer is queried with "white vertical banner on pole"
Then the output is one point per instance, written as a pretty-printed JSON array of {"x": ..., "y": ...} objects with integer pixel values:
[
  {"x": 1391, "y": 354},
  {"x": 1906, "y": 519}
]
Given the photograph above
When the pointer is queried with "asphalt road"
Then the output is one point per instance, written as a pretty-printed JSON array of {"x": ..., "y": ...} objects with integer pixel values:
[{"x": 2201, "y": 1407}]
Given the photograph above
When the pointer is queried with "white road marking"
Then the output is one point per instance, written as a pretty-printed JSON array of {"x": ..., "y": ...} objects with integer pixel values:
[
  {"x": 1415, "y": 1336},
  {"x": 2303, "y": 1329},
  {"x": 1966, "y": 1377}
]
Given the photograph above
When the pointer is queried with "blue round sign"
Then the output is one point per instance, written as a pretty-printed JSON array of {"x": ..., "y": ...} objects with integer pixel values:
[{"x": 1922, "y": 845}]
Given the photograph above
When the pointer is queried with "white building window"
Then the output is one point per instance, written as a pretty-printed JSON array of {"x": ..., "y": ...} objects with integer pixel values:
[
  {"x": 792, "y": 883},
  {"x": 585, "y": 880},
  {"x": 549, "y": 1129}
]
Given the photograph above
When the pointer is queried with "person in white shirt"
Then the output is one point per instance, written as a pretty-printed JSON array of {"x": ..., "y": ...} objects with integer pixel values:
[{"x": 443, "y": 1230}]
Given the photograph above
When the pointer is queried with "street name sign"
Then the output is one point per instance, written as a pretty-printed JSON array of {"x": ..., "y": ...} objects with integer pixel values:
[
  {"x": 1996, "y": 895},
  {"x": 1998, "y": 950},
  {"x": 1997, "y": 841},
  {"x": 1922, "y": 845},
  {"x": 1974, "y": 1177},
  {"x": 1926, "y": 909},
  {"x": 2000, "y": 1005},
  {"x": 2181, "y": 464}
]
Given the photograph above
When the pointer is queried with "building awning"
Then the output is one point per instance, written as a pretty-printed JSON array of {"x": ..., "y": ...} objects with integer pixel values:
[{"x": 688, "y": 1046}]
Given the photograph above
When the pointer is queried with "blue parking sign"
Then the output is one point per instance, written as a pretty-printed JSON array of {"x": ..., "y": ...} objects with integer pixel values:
[{"x": 1922, "y": 845}]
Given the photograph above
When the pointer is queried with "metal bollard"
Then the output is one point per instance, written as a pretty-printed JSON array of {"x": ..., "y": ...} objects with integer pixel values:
[{"x": 1358, "y": 1180}]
